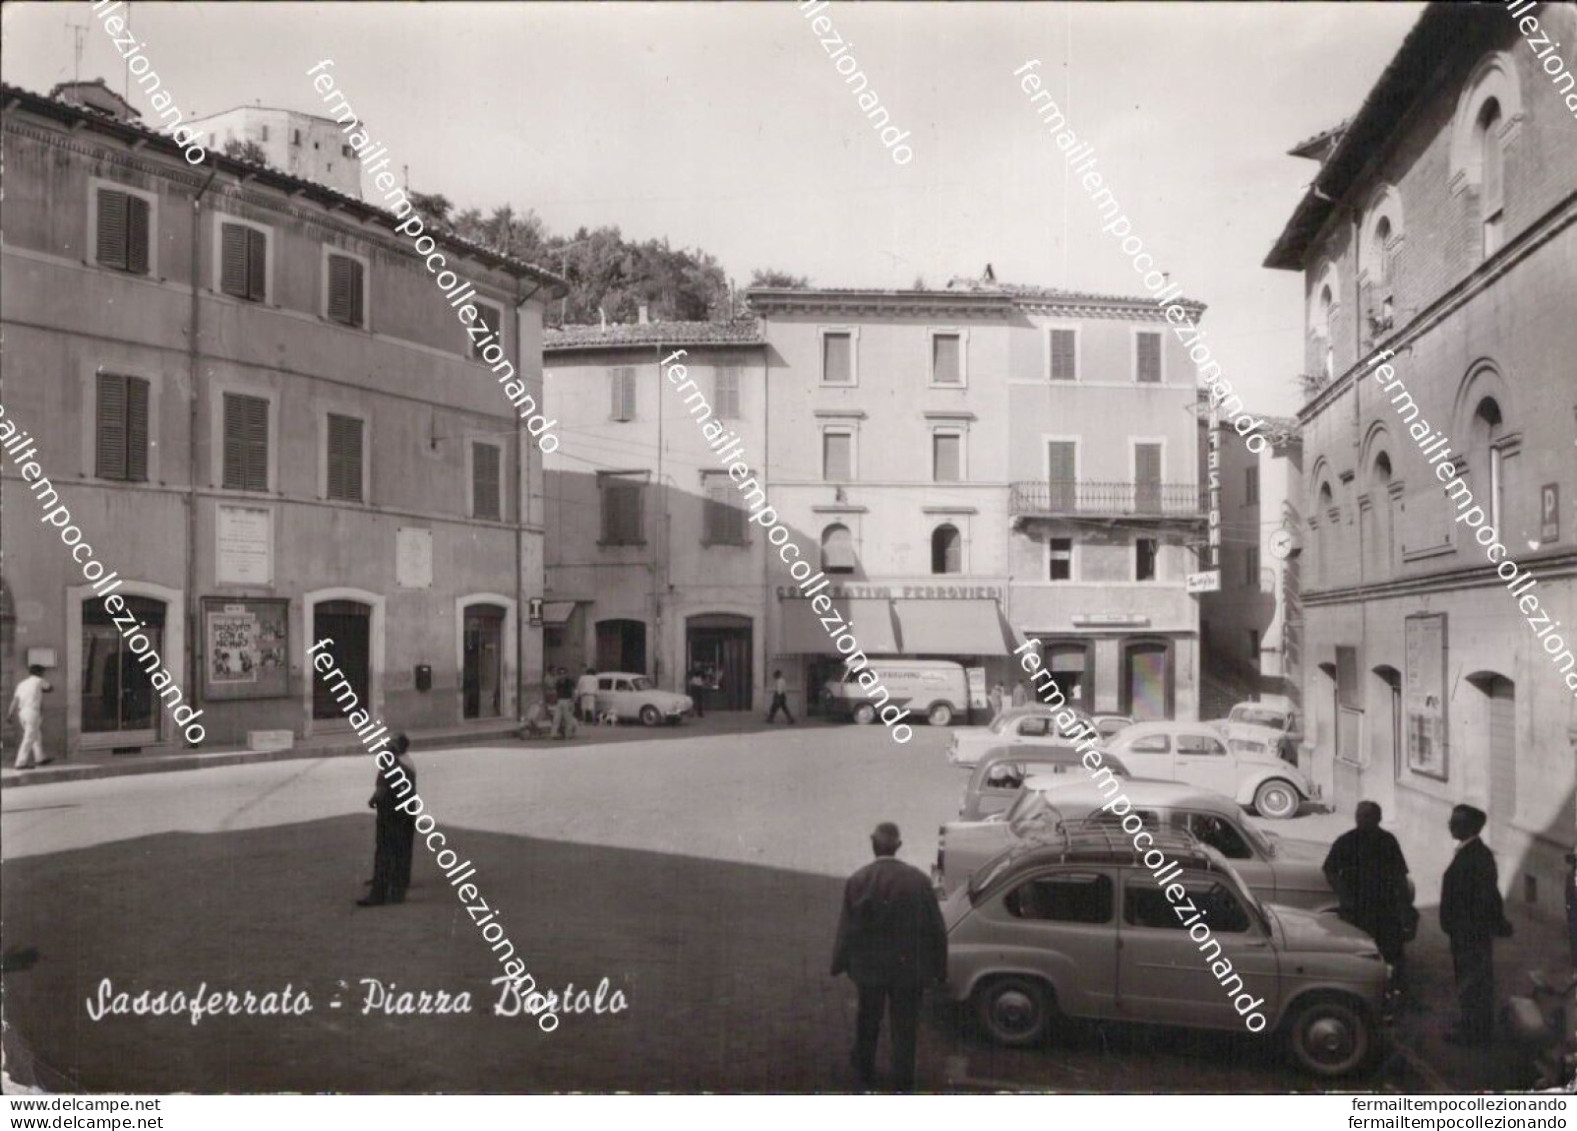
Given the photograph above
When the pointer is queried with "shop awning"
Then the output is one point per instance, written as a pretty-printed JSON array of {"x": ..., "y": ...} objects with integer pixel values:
[
  {"x": 871, "y": 618},
  {"x": 557, "y": 612},
  {"x": 963, "y": 627}
]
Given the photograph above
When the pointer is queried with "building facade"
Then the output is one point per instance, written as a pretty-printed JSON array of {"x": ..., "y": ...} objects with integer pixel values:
[
  {"x": 1249, "y": 626},
  {"x": 308, "y": 146},
  {"x": 270, "y": 427},
  {"x": 651, "y": 566},
  {"x": 1438, "y": 240},
  {"x": 950, "y": 456}
]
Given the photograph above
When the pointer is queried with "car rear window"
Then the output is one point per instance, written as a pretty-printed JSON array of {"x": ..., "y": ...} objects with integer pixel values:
[
  {"x": 1064, "y": 897},
  {"x": 1150, "y": 744}
]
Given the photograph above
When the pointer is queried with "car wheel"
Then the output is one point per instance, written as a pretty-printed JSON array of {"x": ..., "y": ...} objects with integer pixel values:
[
  {"x": 1276, "y": 799},
  {"x": 865, "y": 714},
  {"x": 1330, "y": 1037},
  {"x": 941, "y": 715},
  {"x": 1015, "y": 1010},
  {"x": 651, "y": 716}
]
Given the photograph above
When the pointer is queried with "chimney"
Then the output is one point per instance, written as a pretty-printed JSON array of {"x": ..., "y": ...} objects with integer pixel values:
[{"x": 643, "y": 314}]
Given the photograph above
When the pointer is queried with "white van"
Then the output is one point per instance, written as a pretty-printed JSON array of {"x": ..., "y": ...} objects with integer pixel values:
[{"x": 935, "y": 690}]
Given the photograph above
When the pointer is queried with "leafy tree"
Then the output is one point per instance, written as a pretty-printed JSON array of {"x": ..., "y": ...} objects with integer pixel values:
[
  {"x": 771, "y": 277},
  {"x": 245, "y": 150},
  {"x": 434, "y": 208}
]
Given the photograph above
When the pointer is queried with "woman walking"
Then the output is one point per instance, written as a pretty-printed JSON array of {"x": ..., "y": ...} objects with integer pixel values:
[{"x": 396, "y": 830}]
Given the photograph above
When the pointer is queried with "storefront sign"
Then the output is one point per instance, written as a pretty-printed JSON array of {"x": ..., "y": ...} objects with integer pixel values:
[
  {"x": 1213, "y": 468},
  {"x": 1208, "y": 581},
  {"x": 244, "y": 545},
  {"x": 1424, "y": 694},
  {"x": 1111, "y": 620},
  {"x": 246, "y": 648},
  {"x": 906, "y": 592}
]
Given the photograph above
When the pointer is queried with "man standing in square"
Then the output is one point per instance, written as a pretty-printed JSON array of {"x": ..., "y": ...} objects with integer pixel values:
[
  {"x": 891, "y": 942},
  {"x": 1472, "y": 916},
  {"x": 27, "y": 705}
]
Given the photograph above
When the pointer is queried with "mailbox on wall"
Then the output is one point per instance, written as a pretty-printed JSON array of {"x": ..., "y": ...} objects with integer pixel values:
[{"x": 424, "y": 677}]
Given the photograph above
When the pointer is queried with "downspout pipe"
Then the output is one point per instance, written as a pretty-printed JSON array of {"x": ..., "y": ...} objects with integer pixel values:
[
  {"x": 193, "y": 370},
  {"x": 522, "y": 513}
]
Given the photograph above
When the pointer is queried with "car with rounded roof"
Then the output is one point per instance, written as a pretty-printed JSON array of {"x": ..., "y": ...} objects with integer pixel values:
[
  {"x": 995, "y": 780},
  {"x": 1197, "y": 753},
  {"x": 1283, "y": 871},
  {"x": 1079, "y": 926},
  {"x": 1034, "y": 724},
  {"x": 1262, "y": 728},
  {"x": 631, "y": 695}
]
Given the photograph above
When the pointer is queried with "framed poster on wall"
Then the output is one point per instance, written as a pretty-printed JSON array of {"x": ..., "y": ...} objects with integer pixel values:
[
  {"x": 1424, "y": 694},
  {"x": 246, "y": 648}
]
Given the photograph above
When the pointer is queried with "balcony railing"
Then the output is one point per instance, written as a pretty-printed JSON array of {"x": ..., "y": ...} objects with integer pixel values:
[{"x": 1091, "y": 497}]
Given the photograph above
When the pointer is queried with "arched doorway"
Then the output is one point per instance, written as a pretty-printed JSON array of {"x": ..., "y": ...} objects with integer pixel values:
[
  {"x": 482, "y": 662},
  {"x": 621, "y": 646},
  {"x": 119, "y": 705},
  {"x": 725, "y": 644},
  {"x": 348, "y": 624}
]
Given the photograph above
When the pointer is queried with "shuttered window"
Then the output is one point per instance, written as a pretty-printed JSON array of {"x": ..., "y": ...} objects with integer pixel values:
[
  {"x": 946, "y": 360},
  {"x": 837, "y": 359},
  {"x": 724, "y": 521},
  {"x": 622, "y": 497},
  {"x": 1064, "y": 355},
  {"x": 1147, "y": 477},
  {"x": 1060, "y": 560},
  {"x": 245, "y": 442},
  {"x": 487, "y": 497},
  {"x": 947, "y": 457},
  {"x": 1147, "y": 358},
  {"x": 243, "y": 265},
  {"x": 725, "y": 392},
  {"x": 122, "y": 238},
  {"x": 344, "y": 458},
  {"x": 345, "y": 290},
  {"x": 621, "y": 388},
  {"x": 837, "y": 457},
  {"x": 489, "y": 317},
  {"x": 122, "y": 428},
  {"x": 1062, "y": 485}
]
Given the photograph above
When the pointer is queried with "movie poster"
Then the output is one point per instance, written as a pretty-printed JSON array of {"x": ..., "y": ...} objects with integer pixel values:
[
  {"x": 245, "y": 654},
  {"x": 1424, "y": 694}
]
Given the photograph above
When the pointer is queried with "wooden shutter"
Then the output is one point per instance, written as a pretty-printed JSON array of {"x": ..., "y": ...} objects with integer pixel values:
[
  {"x": 136, "y": 429},
  {"x": 945, "y": 453},
  {"x": 256, "y": 264},
  {"x": 725, "y": 392},
  {"x": 344, "y": 457},
  {"x": 345, "y": 290},
  {"x": 836, "y": 358},
  {"x": 1064, "y": 355},
  {"x": 837, "y": 450},
  {"x": 1147, "y": 477},
  {"x": 232, "y": 260},
  {"x": 1149, "y": 358},
  {"x": 621, "y": 385},
  {"x": 136, "y": 235},
  {"x": 945, "y": 368},
  {"x": 723, "y": 522},
  {"x": 245, "y": 443},
  {"x": 1061, "y": 457},
  {"x": 485, "y": 482},
  {"x": 112, "y": 228},
  {"x": 111, "y": 426}
]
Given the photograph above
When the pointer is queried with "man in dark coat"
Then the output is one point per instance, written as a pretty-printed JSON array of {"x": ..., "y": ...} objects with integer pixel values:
[
  {"x": 1368, "y": 872},
  {"x": 396, "y": 829},
  {"x": 891, "y": 942},
  {"x": 1472, "y": 916}
]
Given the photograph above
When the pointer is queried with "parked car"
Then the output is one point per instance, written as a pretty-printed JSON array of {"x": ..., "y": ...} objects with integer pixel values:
[
  {"x": 1001, "y": 772},
  {"x": 1108, "y": 725},
  {"x": 630, "y": 695},
  {"x": 934, "y": 690},
  {"x": 1078, "y": 927},
  {"x": 1282, "y": 871},
  {"x": 1035, "y": 724},
  {"x": 1197, "y": 753},
  {"x": 1260, "y": 728}
]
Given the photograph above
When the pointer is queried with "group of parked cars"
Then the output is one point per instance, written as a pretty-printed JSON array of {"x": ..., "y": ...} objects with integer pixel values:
[{"x": 1052, "y": 911}]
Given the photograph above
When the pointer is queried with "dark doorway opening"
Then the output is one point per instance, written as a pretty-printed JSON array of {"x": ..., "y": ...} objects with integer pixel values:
[
  {"x": 621, "y": 646},
  {"x": 349, "y": 625},
  {"x": 482, "y": 673},
  {"x": 724, "y": 643},
  {"x": 117, "y": 688}
]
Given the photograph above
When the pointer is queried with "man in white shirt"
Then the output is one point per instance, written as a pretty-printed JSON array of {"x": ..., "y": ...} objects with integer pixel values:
[
  {"x": 27, "y": 704},
  {"x": 586, "y": 695}
]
